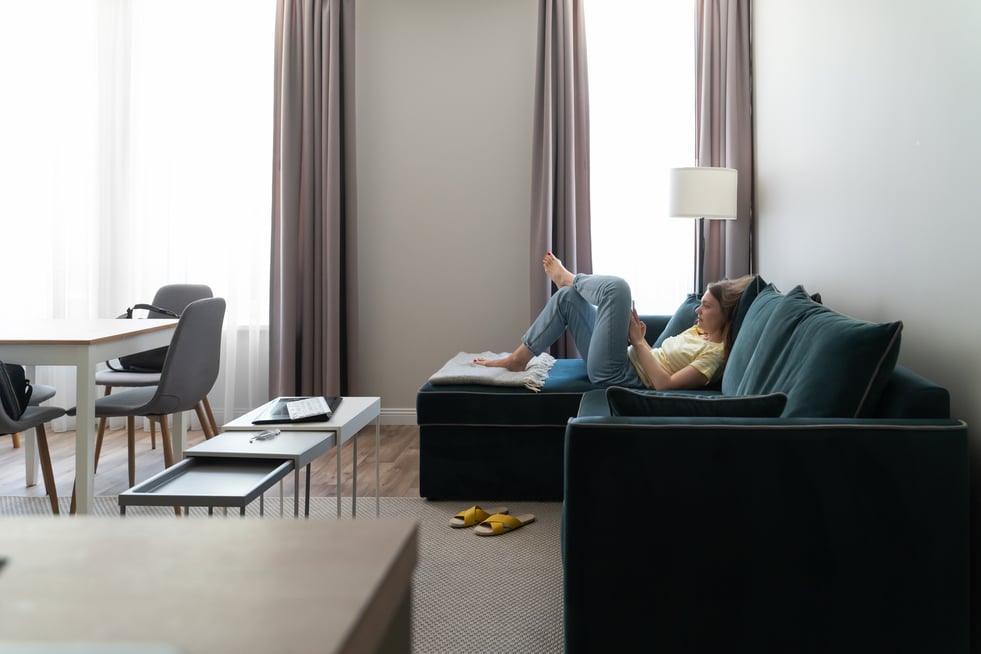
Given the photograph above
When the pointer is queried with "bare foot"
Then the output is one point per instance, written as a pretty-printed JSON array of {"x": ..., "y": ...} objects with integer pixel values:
[
  {"x": 517, "y": 361},
  {"x": 556, "y": 271}
]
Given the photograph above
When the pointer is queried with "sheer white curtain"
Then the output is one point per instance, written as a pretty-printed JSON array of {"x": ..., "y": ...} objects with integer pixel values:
[
  {"x": 642, "y": 123},
  {"x": 135, "y": 151}
]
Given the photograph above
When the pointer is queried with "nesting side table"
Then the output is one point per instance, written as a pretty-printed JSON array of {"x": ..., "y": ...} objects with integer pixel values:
[{"x": 352, "y": 415}]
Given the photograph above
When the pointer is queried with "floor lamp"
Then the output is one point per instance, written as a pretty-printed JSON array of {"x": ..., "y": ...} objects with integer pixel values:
[{"x": 702, "y": 192}]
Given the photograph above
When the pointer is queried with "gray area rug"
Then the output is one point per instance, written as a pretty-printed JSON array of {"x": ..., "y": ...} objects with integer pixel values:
[{"x": 470, "y": 593}]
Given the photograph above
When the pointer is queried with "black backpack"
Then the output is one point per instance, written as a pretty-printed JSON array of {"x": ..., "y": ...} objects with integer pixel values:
[
  {"x": 149, "y": 360},
  {"x": 15, "y": 389}
]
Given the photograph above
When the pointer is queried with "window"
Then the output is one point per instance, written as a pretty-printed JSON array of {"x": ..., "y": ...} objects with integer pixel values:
[
  {"x": 641, "y": 58},
  {"x": 135, "y": 151}
]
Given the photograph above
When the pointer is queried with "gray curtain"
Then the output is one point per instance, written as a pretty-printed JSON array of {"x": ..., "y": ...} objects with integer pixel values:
[
  {"x": 313, "y": 300},
  {"x": 560, "y": 166},
  {"x": 724, "y": 127}
]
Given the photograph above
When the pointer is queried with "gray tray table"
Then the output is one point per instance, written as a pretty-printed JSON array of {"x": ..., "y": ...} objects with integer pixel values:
[
  {"x": 238, "y": 462},
  {"x": 208, "y": 482},
  {"x": 300, "y": 447}
]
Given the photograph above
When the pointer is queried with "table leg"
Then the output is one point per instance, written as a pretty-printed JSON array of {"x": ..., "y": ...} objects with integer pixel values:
[
  {"x": 84, "y": 435},
  {"x": 179, "y": 435},
  {"x": 31, "y": 463},
  {"x": 354, "y": 478},
  {"x": 296, "y": 493},
  {"x": 338, "y": 475},
  {"x": 306, "y": 507},
  {"x": 378, "y": 467}
]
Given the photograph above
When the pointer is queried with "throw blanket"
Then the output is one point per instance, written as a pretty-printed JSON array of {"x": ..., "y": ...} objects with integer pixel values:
[{"x": 462, "y": 370}]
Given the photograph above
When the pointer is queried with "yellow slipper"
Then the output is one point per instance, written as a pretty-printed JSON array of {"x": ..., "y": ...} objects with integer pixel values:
[
  {"x": 499, "y": 523},
  {"x": 473, "y": 515}
]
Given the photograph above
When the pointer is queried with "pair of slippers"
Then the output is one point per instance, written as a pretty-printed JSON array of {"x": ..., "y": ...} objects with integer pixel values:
[{"x": 490, "y": 522}]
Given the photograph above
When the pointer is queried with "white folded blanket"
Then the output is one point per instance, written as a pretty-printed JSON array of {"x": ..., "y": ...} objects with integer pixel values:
[{"x": 462, "y": 370}]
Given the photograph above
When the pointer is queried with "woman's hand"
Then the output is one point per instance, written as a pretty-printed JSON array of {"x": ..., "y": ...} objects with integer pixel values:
[{"x": 638, "y": 329}]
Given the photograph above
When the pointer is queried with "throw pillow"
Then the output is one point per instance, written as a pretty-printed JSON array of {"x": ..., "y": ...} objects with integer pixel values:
[
  {"x": 682, "y": 319},
  {"x": 629, "y": 402}
]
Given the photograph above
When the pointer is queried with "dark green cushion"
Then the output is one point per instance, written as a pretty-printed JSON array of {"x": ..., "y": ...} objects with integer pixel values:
[
  {"x": 750, "y": 331},
  {"x": 629, "y": 402},
  {"x": 828, "y": 364},
  {"x": 682, "y": 319}
]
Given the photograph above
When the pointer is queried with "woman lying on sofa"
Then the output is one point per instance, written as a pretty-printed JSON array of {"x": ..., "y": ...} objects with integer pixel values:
[{"x": 598, "y": 311}]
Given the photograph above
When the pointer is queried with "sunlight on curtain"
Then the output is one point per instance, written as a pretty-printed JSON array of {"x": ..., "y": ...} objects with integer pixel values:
[
  {"x": 642, "y": 122},
  {"x": 137, "y": 143}
]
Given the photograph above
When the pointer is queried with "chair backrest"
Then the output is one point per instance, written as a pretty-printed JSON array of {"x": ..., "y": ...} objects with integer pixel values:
[
  {"x": 193, "y": 359},
  {"x": 177, "y": 296}
]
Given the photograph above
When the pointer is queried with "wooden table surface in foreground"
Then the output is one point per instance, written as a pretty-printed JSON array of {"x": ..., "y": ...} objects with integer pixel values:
[{"x": 205, "y": 585}]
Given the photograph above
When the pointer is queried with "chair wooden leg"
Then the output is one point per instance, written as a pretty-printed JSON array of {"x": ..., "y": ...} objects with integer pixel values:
[
  {"x": 168, "y": 450},
  {"x": 167, "y": 443},
  {"x": 203, "y": 419},
  {"x": 47, "y": 472},
  {"x": 153, "y": 435},
  {"x": 15, "y": 439},
  {"x": 211, "y": 416}
]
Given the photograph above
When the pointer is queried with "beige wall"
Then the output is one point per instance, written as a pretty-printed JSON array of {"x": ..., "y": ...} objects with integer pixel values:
[
  {"x": 869, "y": 172},
  {"x": 445, "y": 96}
]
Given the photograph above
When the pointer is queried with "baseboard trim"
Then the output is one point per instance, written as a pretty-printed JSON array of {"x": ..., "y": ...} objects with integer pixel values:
[{"x": 398, "y": 416}]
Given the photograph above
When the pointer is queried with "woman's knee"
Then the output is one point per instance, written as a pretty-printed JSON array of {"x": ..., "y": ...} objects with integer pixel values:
[{"x": 613, "y": 288}]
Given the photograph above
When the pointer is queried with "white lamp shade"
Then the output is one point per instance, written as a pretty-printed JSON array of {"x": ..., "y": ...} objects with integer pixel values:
[{"x": 703, "y": 192}]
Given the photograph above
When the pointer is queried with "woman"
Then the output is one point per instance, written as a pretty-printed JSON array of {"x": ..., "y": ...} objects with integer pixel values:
[{"x": 609, "y": 334}]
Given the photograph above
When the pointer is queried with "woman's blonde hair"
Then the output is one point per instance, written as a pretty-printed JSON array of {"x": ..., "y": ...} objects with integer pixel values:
[{"x": 727, "y": 293}]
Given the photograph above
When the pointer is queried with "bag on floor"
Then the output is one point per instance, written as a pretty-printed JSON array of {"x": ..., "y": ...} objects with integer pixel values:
[
  {"x": 15, "y": 389},
  {"x": 149, "y": 360}
]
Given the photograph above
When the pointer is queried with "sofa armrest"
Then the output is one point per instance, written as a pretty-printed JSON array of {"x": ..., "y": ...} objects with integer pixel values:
[
  {"x": 909, "y": 394},
  {"x": 772, "y": 534},
  {"x": 594, "y": 404}
]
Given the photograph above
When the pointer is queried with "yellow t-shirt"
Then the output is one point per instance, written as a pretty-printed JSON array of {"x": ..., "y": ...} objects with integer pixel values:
[{"x": 686, "y": 349}]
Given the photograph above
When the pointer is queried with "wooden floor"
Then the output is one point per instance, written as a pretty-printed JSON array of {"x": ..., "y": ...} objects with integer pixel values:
[{"x": 399, "y": 464}]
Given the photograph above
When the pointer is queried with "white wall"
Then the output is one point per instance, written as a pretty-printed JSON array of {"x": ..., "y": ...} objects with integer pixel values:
[
  {"x": 868, "y": 128},
  {"x": 445, "y": 98}
]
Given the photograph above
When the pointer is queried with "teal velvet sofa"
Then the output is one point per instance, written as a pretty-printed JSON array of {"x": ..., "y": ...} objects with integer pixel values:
[{"x": 816, "y": 502}]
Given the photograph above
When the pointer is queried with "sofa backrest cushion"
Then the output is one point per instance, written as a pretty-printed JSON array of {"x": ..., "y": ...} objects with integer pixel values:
[
  {"x": 630, "y": 402},
  {"x": 751, "y": 329},
  {"x": 682, "y": 319},
  {"x": 828, "y": 364}
]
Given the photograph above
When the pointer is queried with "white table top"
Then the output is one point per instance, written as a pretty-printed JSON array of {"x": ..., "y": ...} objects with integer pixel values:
[
  {"x": 75, "y": 331},
  {"x": 242, "y": 585},
  {"x": 351, "y": 416},
  {"x": 301, "y": 447}
]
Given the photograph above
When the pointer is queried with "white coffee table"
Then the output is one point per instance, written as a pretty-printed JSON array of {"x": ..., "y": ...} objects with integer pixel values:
[{"x": 352, "y": 415}]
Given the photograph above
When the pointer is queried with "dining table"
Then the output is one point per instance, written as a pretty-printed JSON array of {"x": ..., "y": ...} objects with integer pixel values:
[{"x": 83, "y": 344}]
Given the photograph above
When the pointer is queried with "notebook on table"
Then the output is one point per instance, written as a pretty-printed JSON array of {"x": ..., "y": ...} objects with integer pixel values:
[{"x": 299, "y": 409}]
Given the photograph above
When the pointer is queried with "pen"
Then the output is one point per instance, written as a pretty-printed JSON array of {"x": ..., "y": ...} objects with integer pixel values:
[{"x": 265, "y": 436}]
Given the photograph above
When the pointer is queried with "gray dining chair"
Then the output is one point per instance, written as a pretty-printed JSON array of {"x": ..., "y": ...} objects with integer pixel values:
[
  {"x": 173, "y": 297},
  {"x": 189, "y": 373},
  {"x": 34, "y": 418}
]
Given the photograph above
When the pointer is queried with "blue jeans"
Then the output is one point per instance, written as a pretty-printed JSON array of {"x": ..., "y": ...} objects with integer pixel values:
[{"x": 596, "y": 310}]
